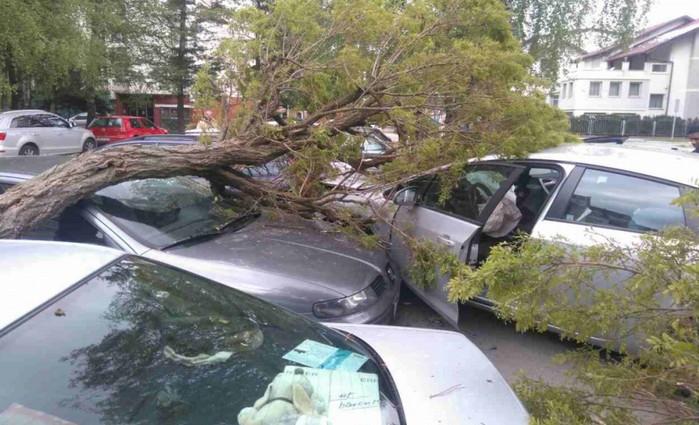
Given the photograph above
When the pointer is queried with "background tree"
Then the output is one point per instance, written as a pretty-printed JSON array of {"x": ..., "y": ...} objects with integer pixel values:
[{"x": 553, "y": 30}]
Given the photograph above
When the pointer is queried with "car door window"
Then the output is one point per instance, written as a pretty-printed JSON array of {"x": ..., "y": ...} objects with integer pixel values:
[
  {"x": 48, "y": 121},
  {"x": 533, "y": 189},
  {"x": 21, "y": 122},
  {"x": 625, "y": 202},
  {"x": 55, "y": 121},
  {"x": 147, "y": 123},
  {"x": 135, "y": 123},
  {"x": 471, "y": 192},
  {"x": 70, "y": 226}
]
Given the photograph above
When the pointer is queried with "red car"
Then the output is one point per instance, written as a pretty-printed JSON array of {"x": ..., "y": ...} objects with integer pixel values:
[{"x": 113, "y": 128}]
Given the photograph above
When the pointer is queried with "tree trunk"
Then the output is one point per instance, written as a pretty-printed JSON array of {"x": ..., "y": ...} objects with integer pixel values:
[
  {"x": 182, "y": 65},
  {"x": 91, "y": 105},
  {"x": 27, "y": 204}
]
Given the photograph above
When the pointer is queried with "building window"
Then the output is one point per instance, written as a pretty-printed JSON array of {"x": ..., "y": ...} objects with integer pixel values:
[
  {"x": 615, "y": 89},
  {"x": 637, "y": 64},
  {"x": 570, "y": 91},
  {"x": 656, "y": 101},
  {"x": 595, "y": 88},
  {"x": 635, "y": 90},
  {"x": 659, "y": 67},
  {"x": 563, "y": 90}
]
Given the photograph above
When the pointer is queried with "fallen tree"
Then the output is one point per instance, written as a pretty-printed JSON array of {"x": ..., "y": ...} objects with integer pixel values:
[{"x": 347, "y": 64}]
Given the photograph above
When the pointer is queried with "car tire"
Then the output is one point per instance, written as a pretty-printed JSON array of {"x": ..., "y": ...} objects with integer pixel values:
[
  {"x": 89, "y": 145},
  {"x": 30, "y": 149}
]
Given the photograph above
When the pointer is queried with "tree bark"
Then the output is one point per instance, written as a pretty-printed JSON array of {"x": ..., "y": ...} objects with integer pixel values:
[
  {"x": 182, "y": 65},
  {"x": 91, "y": 105},
  {"x": 45, "y": 196}
]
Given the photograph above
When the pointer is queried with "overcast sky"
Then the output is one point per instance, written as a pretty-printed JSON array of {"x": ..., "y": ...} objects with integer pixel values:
[{"x": 664, "y": 10}]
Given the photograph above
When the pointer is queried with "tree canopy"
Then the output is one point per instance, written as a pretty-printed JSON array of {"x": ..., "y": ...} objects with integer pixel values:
[
  {"x": 553, "y": 30},
  {"x": 347, "y": 63}
]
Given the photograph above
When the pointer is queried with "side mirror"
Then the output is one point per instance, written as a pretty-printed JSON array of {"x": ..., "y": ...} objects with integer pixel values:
[{"x": 406, "y": 196}]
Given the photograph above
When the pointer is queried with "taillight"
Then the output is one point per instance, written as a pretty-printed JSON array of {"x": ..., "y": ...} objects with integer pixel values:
[{"x": 2, "y": 136}]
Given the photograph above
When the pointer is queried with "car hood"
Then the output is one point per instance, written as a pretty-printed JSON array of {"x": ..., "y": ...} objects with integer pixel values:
[
  {"x": 284, "y": 250},
  {"x": 443, "y": 378}
]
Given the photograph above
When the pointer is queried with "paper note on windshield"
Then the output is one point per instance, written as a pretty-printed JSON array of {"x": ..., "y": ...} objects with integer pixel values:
[
  {"x": 348, "y": 398},
  {"x": 322, "y": 356}
]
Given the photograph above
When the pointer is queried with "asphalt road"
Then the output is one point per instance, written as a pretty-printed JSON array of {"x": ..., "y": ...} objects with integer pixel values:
[{"x": 510, "y": 351}]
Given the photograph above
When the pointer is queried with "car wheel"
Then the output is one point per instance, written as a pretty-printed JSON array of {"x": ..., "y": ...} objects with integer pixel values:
[
  {"x": 29, "y": 150},
  {"x": 89, "y": 145}
]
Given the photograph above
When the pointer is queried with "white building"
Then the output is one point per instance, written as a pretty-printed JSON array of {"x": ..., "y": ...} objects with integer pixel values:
[{"x": 658, "y": 74}]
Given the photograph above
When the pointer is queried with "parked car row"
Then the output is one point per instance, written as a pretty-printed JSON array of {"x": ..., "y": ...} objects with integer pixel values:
[
  {"x": 205, "y": 309},
  {"x": 33, "y": 132}
]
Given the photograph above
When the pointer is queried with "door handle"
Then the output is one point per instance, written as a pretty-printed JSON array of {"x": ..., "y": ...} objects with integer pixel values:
[{"x": 445, "y": 240}]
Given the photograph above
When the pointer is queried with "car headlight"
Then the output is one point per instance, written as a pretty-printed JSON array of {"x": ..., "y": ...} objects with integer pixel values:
[{"x": 347, "y": 305}]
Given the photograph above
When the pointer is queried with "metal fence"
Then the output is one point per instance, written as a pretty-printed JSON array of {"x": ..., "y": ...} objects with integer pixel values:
[{"x": 606, "y": 125}]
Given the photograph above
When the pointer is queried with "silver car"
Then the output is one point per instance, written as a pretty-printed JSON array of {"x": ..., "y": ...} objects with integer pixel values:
[
  {"x": 90, "y": 335},
  {"x": 80, "y": 120},
  {"x": 586, "y": 193},
  {"x": 36, "y": 132},
  {"x": 285, "y": 260}
]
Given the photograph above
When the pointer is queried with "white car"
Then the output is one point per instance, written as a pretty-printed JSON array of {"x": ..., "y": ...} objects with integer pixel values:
[
  {"x": 90, "y": 335},
  {"x": 587, "y": 193},
  {"x": 80, "y": 120},
  {"x": 36, "y": 132}
]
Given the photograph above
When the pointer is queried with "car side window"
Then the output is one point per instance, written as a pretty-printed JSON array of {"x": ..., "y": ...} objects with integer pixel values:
[
  {"x": 470, "y": 193},
  {"x": 45, "y": 120},
  {"x": 147, "y": 123},
  {"x": 21, "y": 122},
  {"x": 624, "y": 202},
  {"x": 55, "y": 121},
  {"x": 114, "y": 122},
  {"x": 70, "y": 226},
  {"x": 135, "y": 123}
]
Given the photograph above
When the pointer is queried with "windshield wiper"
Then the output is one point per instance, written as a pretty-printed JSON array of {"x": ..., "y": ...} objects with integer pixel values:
[
  {"x": 238, "y": 222},
  {"x": 233, "y": 224}
]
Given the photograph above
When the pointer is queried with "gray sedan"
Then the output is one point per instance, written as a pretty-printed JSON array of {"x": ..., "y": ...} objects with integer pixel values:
[
  {"x": 90, "y": 335},
  {"x": 281, "y": 259}
]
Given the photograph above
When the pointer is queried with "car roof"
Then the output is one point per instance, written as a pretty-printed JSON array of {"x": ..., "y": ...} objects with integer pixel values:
[
  {"x": 152, "y": 140},
  {"x": 676, "y": 166},
  {"x": 118, "y": 116},
  {"x": 20, "y": 112},
  {"x": 34, "y": 272},
  {"x": 30, "y": 166}
]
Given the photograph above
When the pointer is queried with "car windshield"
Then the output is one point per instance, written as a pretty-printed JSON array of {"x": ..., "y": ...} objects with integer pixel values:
[
  {"x": 160, "y": 212},
  {"x": 140, "y": 342}
]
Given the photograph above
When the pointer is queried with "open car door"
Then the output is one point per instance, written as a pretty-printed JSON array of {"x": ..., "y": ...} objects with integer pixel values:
[{"x": 447, "y": 218}]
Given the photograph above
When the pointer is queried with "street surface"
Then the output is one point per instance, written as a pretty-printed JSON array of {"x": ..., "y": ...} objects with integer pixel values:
[{"x": 510, "y": 351}]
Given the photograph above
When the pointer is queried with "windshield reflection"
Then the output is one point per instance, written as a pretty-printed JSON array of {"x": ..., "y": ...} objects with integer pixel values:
[{"x": 160, "y": 212}]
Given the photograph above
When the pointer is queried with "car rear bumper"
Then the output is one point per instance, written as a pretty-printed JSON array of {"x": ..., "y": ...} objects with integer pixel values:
[{"x": 8, "y": 152}]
